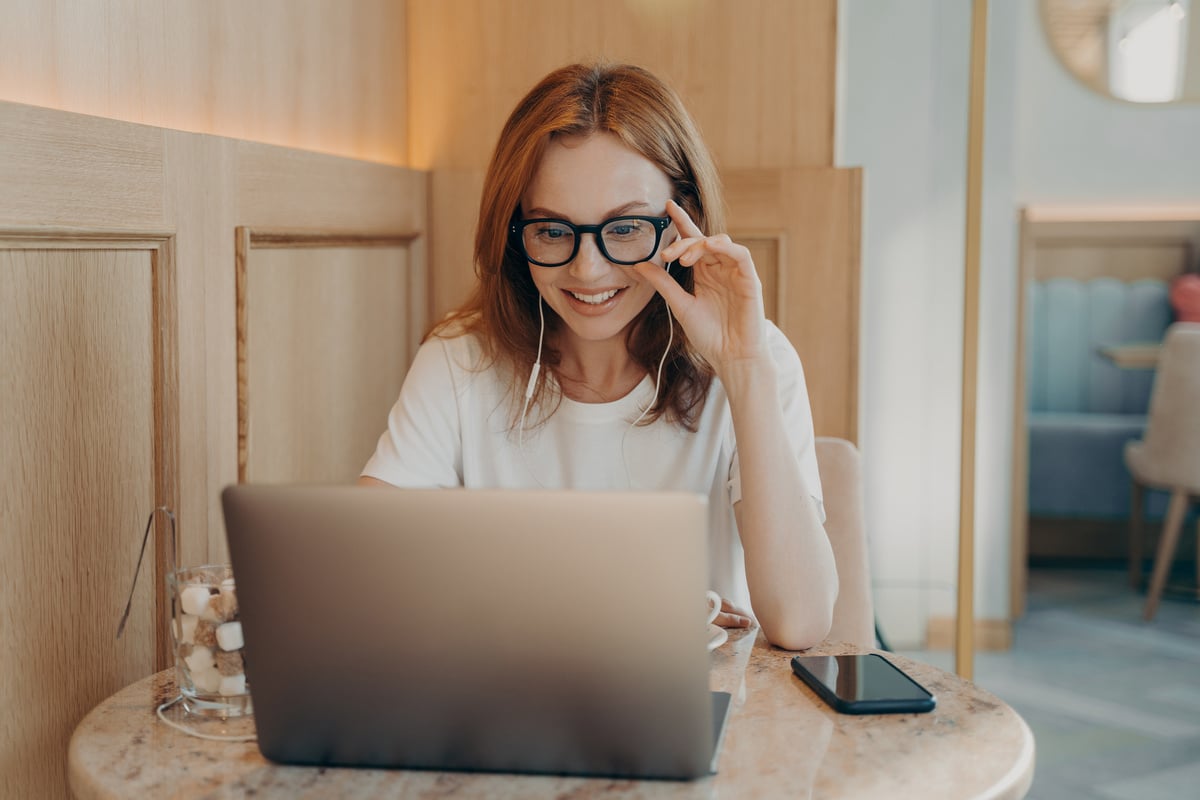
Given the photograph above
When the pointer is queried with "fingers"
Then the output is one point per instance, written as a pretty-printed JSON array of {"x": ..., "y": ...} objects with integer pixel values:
[
  {"x": 716, "y": 249},
  {"x": 732, "y": 616},
  {"x": 692, "y": 245},
  {"x": 683, "y": 223},
  {"x": 676, "y": 296},
  {"x": 733, "y": 621}
]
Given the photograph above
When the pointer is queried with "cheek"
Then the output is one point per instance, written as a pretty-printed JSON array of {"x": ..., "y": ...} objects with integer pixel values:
[
  {"x": 541, "y": 280},
  {"x": 641, "y": 286}
]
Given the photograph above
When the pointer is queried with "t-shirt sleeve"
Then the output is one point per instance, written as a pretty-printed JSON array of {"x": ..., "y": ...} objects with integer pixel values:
[
  {"x": 797, "y": 416},
  {"x": 422, "y": 446}
]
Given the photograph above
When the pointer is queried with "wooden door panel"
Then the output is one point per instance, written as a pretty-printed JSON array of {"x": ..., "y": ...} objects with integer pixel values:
[
  {"x": 325, "y": 347},
  {"x": 79, "y": 475}
]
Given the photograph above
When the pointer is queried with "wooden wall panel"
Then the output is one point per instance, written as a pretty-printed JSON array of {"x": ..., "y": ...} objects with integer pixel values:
[
  {"x": 99, "y": 173},
  {"x": 83, "y": 456},
  {"x": 308, "y": 74},
  {"x": 325, "y": 354},
  {"x": 119, "y": 381},
  {"x": 453, "y": 217},
  {"x": 310, "y": 194},
  {"x": 758, "y": 75}
]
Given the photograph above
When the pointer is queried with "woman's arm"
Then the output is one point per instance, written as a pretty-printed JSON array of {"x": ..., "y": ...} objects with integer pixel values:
[
  {"x": 367, "y": 480},
  {"x": 789, "y": 562}
]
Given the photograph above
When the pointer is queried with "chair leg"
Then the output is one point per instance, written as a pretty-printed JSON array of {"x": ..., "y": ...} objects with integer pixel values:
[
  {"x": 1166, "y": 551},
  {"x": 1135, "y": 535}
]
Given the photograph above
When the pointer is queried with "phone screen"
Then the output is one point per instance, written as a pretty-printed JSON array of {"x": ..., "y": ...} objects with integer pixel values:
[{"x": 862, "y": 684}]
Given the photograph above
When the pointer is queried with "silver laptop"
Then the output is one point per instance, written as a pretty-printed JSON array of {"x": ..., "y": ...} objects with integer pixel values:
[{"x": 496, "y": 630}]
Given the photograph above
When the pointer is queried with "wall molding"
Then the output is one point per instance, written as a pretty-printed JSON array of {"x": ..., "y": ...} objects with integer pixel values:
[{"x": 165, "y": 386}]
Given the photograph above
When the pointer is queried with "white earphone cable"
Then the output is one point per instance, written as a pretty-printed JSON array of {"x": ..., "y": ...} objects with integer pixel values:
[
  {"x": 657, "y": 383},
  {"x": 192, "y": 731},
  {"x": 529, "y": 387}
]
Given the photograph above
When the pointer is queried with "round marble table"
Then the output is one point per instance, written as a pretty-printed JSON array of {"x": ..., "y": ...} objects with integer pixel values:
[{"x": 782, "y": 741}]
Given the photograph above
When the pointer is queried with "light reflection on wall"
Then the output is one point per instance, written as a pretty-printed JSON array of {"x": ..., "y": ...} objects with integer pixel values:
[{"x": 308, "y": 74}]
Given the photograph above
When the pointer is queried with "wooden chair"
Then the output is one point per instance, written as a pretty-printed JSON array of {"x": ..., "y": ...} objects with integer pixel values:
[
  {"x": 841, "y": 482},
  {"x": 1168, "y": 456}
]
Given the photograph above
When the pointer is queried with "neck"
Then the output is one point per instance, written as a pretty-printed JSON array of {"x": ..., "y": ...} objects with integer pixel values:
[{"x": 597, "y": 372}]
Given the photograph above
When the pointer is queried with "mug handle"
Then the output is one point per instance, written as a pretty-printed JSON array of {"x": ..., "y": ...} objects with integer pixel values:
[{"x": 714, "y": 606}]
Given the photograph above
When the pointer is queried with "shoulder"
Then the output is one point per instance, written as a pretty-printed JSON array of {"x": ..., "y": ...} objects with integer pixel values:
[
  {"x": 783, "y": 353},
  {"x": 460, "y": 350}
]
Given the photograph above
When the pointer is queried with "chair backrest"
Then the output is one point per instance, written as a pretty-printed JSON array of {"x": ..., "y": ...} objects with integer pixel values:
[
  {"x": 1172, "y": 440},
  {"x": 841, "y": 484}
]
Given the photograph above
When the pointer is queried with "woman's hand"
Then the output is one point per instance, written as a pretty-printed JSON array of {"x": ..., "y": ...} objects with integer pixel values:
[
  {"x": 733, "y": 617},
  {"x": 724, "y": 318}
]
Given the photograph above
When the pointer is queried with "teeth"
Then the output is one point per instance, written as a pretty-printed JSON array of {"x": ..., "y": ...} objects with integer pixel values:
[{"x": 594, "y": 299}]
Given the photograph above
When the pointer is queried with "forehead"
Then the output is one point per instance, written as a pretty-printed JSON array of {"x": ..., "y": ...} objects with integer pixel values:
[{"x": 582, "y": 178}]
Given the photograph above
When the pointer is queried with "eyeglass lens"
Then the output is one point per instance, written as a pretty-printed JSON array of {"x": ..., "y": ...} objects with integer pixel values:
[{"x": 628, "y": 241}]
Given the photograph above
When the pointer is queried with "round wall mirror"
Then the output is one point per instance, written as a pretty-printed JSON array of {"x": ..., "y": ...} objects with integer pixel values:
[{"x": 1142, "y": 51}]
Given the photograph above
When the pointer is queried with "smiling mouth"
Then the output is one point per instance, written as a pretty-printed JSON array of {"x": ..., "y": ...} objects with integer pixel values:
[{"x": 594, "y": 299}]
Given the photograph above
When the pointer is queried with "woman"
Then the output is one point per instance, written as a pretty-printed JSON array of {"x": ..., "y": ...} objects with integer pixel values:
[{"x": 586, "y": 359}]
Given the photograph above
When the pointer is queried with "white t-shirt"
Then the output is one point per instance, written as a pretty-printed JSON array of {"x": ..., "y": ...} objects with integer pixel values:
[{"x": 451, "y": 427}]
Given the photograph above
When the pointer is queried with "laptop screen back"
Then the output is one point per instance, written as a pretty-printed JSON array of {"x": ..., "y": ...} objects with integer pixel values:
[{"x": 512, "y": 631}]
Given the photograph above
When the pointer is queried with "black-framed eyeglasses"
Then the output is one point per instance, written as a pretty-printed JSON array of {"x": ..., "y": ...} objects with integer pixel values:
[{"x": 622, "y": 240}]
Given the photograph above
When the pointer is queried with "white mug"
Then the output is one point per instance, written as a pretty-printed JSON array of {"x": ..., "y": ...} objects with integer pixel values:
[{"x": 714, "y": 606}]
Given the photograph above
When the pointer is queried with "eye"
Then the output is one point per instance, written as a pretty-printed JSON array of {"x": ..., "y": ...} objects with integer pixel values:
[
  {"x": 625, "y": 228},
  {"x": 550, "y": 231}
]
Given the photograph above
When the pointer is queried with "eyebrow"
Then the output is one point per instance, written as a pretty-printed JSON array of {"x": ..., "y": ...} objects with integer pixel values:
[{"x": 538, "y": 212}]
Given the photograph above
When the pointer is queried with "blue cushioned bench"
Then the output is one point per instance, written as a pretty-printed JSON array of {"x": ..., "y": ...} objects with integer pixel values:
[{"x": 1082, "y": 408}]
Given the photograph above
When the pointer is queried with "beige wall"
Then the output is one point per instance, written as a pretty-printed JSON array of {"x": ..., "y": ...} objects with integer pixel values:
[
  {"x": 758, "y": 75},
  {"x": 425, "y": 83},
  {"x": 314, "y": 74}
]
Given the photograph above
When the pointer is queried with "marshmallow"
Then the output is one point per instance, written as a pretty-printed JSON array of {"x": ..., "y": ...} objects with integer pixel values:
[
  {"x": 208, "y": 681},
  {"x": 194, "y": 599},
  {"x": 229, "y": 636},
  {"x": 232, "y": 684},
  {"x": 200, "y": 660}
]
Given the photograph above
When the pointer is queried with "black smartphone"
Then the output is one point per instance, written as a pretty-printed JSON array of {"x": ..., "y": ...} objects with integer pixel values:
[{"x": 863, "y": 684}]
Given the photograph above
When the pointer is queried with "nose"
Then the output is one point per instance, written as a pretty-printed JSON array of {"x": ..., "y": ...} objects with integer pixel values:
[{"x": 589, "y": 262}]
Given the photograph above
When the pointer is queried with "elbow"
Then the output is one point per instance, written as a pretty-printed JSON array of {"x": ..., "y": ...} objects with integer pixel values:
[
  {"x": 366, "y": 480},
  {"x": 799, "y": 635},
  {"x": 801, "y": 625}
]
